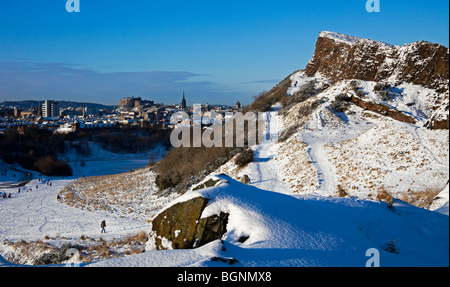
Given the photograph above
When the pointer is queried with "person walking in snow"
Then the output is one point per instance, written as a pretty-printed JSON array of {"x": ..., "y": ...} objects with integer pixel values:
[{"x": 103, "y": 226}]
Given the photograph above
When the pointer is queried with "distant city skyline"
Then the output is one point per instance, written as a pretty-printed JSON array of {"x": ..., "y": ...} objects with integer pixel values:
[
  {"x": 216, "y": 52},
  {"x": 27, "y": 104}
]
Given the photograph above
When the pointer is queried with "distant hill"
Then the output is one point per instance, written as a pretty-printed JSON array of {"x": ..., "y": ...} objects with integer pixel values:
[{"x": 62, "y": 104}]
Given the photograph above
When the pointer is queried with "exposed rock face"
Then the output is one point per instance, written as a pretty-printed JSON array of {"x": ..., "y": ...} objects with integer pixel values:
[
  {"x": 183, "y": 226},
  {"x": 342, "y": 57},
  {"x": 439, "y": 120},
  {"x": 245, "y": 179},
  {"x": 383, "y": 110},
  {"x": 211, "y": 228}
]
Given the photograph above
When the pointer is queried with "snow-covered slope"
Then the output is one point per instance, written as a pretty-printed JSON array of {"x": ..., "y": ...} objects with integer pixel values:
[
  {"x": 362, "y": 151},
  {"x": 440, "y": 202},
  {"x": 288, "y": 230},
  {"x": 35, "y": 215},
  {"x": 357, "y": 151},
  {"x": 133, "y": 194}
]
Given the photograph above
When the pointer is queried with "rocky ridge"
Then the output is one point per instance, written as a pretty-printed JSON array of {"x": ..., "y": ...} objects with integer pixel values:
[{"x": 340, "y": 57}]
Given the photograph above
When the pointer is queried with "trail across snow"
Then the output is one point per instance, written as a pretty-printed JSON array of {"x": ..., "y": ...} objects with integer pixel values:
[
  {"x": 264, "y": 171},
  {"x": 316, "y": 139},
  {"x": 32, "y": 215}
]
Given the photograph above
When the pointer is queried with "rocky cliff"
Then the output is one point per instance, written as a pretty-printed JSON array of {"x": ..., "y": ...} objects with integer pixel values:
[{"x": 340, "y": 57}]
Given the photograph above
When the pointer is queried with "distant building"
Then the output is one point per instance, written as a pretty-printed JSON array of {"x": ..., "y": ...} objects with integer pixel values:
[
  {"x": 127, "y": 103},
  {"x": 17, "y": 113},
  {"x": 28, "y": 113},
  {"x": 183, "y": 103},
  {"x": 71, "y": 113},
  {"x": 130, "y": 103},
  {"x": 39, "y": 110},
  {"x": 89, "y": 111},
  {"x": 50, "y": 109}
]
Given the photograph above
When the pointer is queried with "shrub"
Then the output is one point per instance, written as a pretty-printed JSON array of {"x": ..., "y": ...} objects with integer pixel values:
[
  {"x": 384, "y": 196},
  {"x": 341, "y": 103},
  {"x": 53, "y": 167},
  {"x": 383, "y": 91},
  {"x": 190, "y": 165},
  {"x": 244, "y": 158},
  {"x": 245, "y": 179},
  {"x": 55, "y": 256},
  {"x": 421, "y": 199},
  {"x": 341, "y": 192},
  {"x": 307, "y": 109},
  {"x": 379, "y": 87},
  {"x": 265, "y": 100},
  {"x": 305, "y": 92},
  {"x": 287, "y": 133},
  {"x": 391, "y": 247},
  {"x": 354, "y": 85}
]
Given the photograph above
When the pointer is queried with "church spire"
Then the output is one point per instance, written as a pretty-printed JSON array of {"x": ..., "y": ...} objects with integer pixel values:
[{"x": 183, "y": 102}]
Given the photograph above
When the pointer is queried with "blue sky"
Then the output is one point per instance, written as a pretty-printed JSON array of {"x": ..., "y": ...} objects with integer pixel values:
[{"x": 215, "y": 51}]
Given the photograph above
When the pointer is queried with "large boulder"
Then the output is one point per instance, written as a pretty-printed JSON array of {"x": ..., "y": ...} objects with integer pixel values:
[{"x": 181, "y": 226}]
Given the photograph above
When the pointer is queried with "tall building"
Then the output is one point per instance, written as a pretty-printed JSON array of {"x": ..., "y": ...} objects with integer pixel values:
[
  {"x": 50, "y": 109},
  {"x": 183, "y": 103}
]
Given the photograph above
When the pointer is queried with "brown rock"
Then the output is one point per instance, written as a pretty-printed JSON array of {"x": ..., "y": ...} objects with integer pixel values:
[
  {"x": 183, "y": 226},
  {"x": 421, "y": 63}
]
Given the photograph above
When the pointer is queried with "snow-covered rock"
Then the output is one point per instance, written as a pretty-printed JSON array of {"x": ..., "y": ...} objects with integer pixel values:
[
  {"x": 268, "y": 228},
  {"x": 440, "y": 202}
]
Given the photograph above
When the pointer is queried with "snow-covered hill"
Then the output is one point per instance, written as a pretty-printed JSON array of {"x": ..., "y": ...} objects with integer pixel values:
[
  {"x": 33, "y": 222},
  {"x": 133, "y": 194},
  {"x": 357, "y": 151},
  {"x": 344, "y": 138},
  {"x": 287, "y": 230}
]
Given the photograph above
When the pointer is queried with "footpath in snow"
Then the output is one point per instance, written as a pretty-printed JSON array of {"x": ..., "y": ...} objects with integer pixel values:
[
  {"x": 33, "y": 213},
  {"x": 264, "y": 171},
  {"x": 36, "y": 213},
  {"x": 316, "y": 139}
]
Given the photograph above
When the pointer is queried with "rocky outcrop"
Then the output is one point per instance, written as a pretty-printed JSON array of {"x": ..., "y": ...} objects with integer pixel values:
[
  {"x": 439, "y": 120},
  {"x": 342, "y": 57},
  {"x": 181, "y": 226},
  {"x": 383, "y": 110}
]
